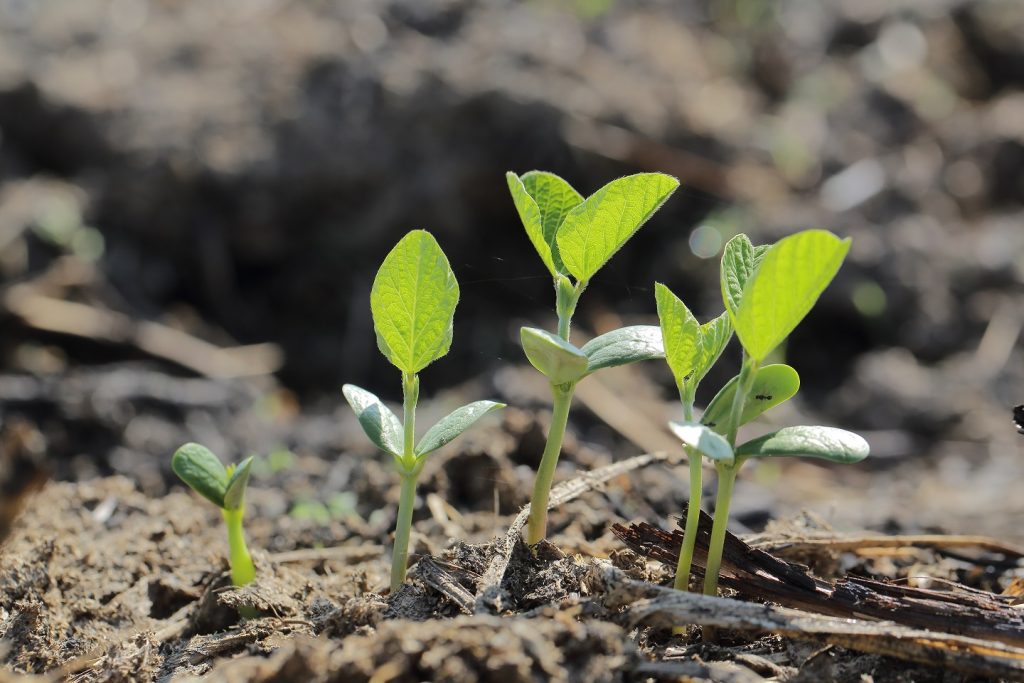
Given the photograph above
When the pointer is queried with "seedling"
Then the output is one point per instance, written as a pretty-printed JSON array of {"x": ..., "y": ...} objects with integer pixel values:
[
  {"x": 575, "y": 237},
  {"x": 767, "y": 291},
  {"x": 413, "y": 303},
  {"x": 691, "y": 349},
  {"x": 225, "y": 487}
]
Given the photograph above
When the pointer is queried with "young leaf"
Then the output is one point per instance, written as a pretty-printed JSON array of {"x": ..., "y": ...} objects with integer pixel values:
[
  {"x": 792, "y": 275},
  {"x": 690, "y": 348},
  {"x": 542, "y": 200},
  {"x": 413, "y": 303},
  {"x": 740, "y": 260},
  {"x": 701, "y": 437},
  {"x": 376, "y": 419},
  {"x": 451, "y": 426},
  {"x": 622, "y": 346},
  {"x": 593, "y": 231},
  {"x": 828, "y": 443},
  {"x": 714, "y": 337},
  {"x": 773, "y": 384},
  {"x": 681, "y": 332},
  {"x": 202, "y": 471},
  {"x": 234, "y": 495},
  {"x": 557, "y": 359}
]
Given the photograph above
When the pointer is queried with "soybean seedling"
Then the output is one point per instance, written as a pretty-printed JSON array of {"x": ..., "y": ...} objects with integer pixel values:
[
  {"x": 575, "y": 237},
  {"x": 225, "y": 487},
  {"x": 691, "y": 349},
  {"x": 413, "y": 303},
  {"x": 767, "y": 292}
]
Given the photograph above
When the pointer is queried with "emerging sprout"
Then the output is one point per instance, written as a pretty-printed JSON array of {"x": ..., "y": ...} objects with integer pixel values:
[
  {"x": 767, "y": 291},
  {"x": 575, "y": 237},
  {"x": 413, "y": 304},
  {"x": 225, "y": 487},
  {"x": 691, "y": 349}
]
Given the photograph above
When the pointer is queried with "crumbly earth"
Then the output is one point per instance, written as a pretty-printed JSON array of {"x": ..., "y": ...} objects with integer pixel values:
[{"x": 100, "y": 582}]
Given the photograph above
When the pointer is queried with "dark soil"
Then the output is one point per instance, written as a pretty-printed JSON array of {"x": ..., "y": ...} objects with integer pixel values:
[{"x": 245, "y": 166}]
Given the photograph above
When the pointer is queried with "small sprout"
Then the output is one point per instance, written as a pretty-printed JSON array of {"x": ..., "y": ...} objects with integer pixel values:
[
  {"x": 575, "y": 237},
  {"x": 767, "y": 291},
  {"x": 225, "y": 487},
  {"x": 691, "y": 349},
  {"x": 413, "y": 302}
]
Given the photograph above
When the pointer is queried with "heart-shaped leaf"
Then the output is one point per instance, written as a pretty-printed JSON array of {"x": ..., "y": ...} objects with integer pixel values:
[
  {"x": 557, "y": 359},
  {"x": 452, "y": 425},
  {"x": 740, "y": 260},
  {"x": 828, "y": 443},
  {"x": 203, "y": 471},
  {"x": 792, "y": 275},
  {"x": 376, "y": 419},
  {"x": 622, "y": 346},
  {"x": 593, "y": 231},
  {"x": 704, "y": 439},
  {"x": 773, "y": 384},
  {"x": 234, "y": 495},
  {"x": 543, "y": 200},
  {"x": 413, "y": 303}
]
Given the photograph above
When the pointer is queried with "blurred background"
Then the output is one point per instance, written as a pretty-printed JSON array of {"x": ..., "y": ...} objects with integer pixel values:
[{"x": 194, "y": 198}]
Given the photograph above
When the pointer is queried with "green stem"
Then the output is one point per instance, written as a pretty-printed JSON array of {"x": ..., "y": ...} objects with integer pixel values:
[
  {"x": 410, "y": 395},
  {"x": 410, "y": 471},
  {"x": 538, "y": 521},
  {"x": 400, "y": 556},
  {"x": 748, "y": 372},
  {"x": 682, "y": 581},
  {"x": 726, "y": 479},
  {"x": 567, "y": 296},
  {"x": 242, "y": 569}
]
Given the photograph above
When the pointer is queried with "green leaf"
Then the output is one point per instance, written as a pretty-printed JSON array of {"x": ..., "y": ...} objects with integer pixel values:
[
  {"x": 828, "y": 443},
  {"x": 203, "y": 471},
  {"x": 792, "y": 275},
  {"x": 593, "y": 231},
  {"x": 234, "y": 495},
  {"x": 376, "y": 419},
  {"x": 413, "y": 303},
  {"x": 690, "y": 348},
  {"x": 451, "y": 426},
  {"x": 557, "y": 359},
  {"x": 773, "y": 384},
  {"x": 714, "y": 337},
  {"x": 543, "y": 200},
  {"x": 707, "y": 441},
  {"x": 681, "y": 332},
  {"x": 740, "y": 259},
  {"x": 622, "y": 346}
]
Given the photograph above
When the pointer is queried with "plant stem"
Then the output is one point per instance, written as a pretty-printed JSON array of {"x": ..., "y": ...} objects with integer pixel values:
[
  {"x": 538, "y": 522},
  {"x": 410, "y": 395},
  {"x": 242, "y": 569},
  {"x": 726, "y": 479},
  {"x": 567, "y": 296},
  {"x": 682, "y": 582},
  {"x": 748, "y": 372},
  {"x": 400, "y": 556},
  {"x": 410, "y": 471}
]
